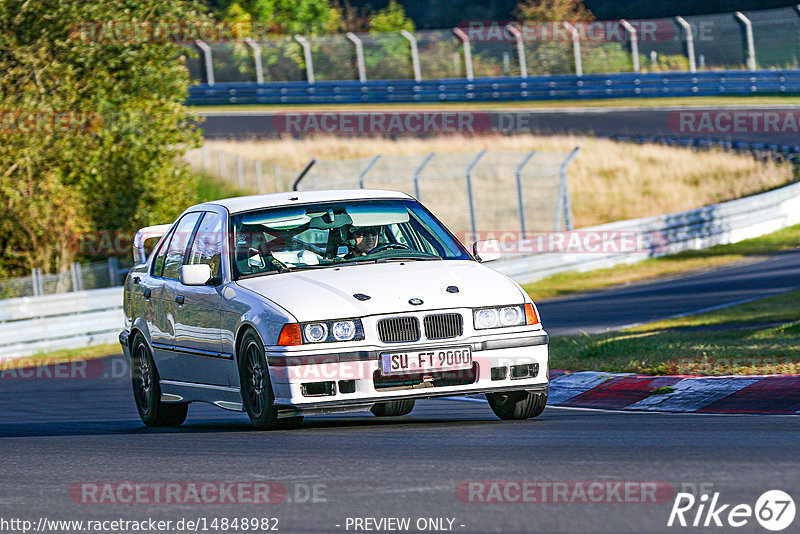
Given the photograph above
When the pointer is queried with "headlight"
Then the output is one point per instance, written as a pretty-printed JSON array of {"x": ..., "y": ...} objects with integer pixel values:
[
  {"x": 316, "y": 332},
  {"x": 339, "y": 330},
  {"x": 510, "y": 316},
  {"x": 487, "y": 318},
  {"x": 344, "y": 330},
  {"x": 499, "y": 317}
]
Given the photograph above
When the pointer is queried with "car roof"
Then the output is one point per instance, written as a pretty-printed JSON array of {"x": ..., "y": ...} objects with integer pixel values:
[{"x": 273, "y": 200}]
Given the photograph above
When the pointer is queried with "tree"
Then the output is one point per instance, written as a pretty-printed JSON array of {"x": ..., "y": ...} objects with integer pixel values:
[
  {"x": 392, "y": 18},
  {"x": 118, "y": 166},
  {"x": 553, "y": 10},
  {"x": 283, "y": 16}
]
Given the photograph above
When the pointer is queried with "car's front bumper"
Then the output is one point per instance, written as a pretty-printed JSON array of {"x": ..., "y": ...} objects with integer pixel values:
[{"x": 357, "y": 372}]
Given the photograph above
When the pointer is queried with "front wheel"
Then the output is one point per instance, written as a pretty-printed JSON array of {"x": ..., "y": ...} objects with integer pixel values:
[
  {"x": 256, "y": 387},
  {"x": 393, "y": 408},
  {"x": 147, "y": 392},
  {"x": 517, "y": 404}
]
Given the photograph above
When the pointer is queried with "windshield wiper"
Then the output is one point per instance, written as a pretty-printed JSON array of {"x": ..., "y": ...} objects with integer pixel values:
[{"x": 407, "y": 258}]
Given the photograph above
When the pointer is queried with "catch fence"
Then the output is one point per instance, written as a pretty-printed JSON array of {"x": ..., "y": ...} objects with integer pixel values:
[
  {"x": 486, "y": 191},
  {"x": 765, "y": 39}
]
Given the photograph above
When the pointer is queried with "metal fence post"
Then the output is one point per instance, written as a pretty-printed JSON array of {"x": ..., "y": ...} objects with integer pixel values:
[
  {"x": 204, "y": 157},
  {"x": 34, "y": 282},
  {"x": 467, "y": 52},
  {"x": 221, "y": 158},
  {"x": 468, "y": 176},
  {"x": 307, "y": 57},
  {"x": 564, "y": 205},
  {"x": 687, "y": 28},
  {"x": 412, "y": 40},
  {"x": 634, "y": 43},
  {"x": 362, "y": 69},
  {"x": 259, "y": 187},
  {"x": 257, "y": 58},
  {"x": 240, "y": 171},
  {"x": 576, "y": 47},
  {"x": 518, "y": 177},
  {"x": 751, "y": 47},
  {"x": 113, "y": 271},
  {"x": 208, "y": 60},
  {"x": 523, "y": 63},
  {"x": 76, "y": 279},
  {"x": 418, "y": 171},
  {"x": 364, "y": 172}
]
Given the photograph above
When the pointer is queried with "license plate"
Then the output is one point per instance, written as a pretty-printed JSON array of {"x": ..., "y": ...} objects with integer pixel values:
[{"x": 426, "y": 361}]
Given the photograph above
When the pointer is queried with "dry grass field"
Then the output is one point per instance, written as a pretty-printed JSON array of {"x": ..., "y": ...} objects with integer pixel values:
[{"x": 608, "y": 181}]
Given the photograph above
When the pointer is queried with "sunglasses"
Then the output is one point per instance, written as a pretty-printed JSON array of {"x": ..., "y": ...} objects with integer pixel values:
[{"x": 367, "y": 230}]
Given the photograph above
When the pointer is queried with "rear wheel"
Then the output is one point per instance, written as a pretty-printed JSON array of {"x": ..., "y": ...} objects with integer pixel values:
[
  {"x": 517, "y": 404},
  {"x": 257, "y": 396},
  {"x": 147, "y": 392},
  {"x": 393, "y": 408}
]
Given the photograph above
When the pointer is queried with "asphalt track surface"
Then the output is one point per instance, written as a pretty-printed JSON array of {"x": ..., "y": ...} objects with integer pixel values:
[
  {"x": 59, "y": 432},
  {"x": 601, "y": 122},
  {"x": 55, "y": 434},
  {"x": 639, "y": 303}
]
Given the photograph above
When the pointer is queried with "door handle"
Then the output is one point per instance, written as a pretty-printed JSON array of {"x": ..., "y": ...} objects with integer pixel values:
[
  {"x": 179, "y": 299},
  {"x": 147, "y": 293},
  {"x": 136, "y": 279}
]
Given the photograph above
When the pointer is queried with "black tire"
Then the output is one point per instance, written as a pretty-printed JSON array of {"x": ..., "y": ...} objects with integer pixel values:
[
  {"x": 517, "y": 404},
  {"x": 147, "y": 391},
  {"x": 393, "y": 408},
  {"x": 257, "y": 396}
]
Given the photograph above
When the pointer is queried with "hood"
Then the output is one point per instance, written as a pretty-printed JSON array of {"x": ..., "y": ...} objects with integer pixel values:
[{"x": 328, "y": 293}]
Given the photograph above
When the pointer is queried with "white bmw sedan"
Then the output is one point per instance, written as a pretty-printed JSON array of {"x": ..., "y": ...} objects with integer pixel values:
[{"x": 318, "y": 302}]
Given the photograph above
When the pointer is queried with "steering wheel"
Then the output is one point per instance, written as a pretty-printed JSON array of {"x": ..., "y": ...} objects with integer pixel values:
[{"x": 388, "y": 246}]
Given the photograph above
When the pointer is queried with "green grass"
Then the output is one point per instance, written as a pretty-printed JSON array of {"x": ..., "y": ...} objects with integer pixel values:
[
  {"x": 687, "y": 261},
  {"x": 761, "y": 337},
  {"x": 776, "y": 100}
]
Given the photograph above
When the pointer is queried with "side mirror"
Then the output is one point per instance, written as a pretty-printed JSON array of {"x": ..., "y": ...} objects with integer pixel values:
[
  {"x": 488, "y": 250},
  {"x": 195, "y": 275}
]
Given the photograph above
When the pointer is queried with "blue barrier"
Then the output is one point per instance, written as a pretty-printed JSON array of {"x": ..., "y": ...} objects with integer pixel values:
[{"x": 659, "y": 84}]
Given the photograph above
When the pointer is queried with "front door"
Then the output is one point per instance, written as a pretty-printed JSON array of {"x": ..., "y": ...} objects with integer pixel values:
[{"x": 198, "y": 316}]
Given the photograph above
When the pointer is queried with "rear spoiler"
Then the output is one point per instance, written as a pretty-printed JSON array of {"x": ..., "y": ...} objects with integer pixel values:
[{"x": 149, "y": 232}]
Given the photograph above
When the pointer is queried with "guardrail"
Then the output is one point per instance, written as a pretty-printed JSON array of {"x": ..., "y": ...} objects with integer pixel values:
[
  {"x": 29, "y": 325},
  {"x": 74, "y": 320},
  {"x": 727, "y": 222},
  {"x": 556, "y": 87}
]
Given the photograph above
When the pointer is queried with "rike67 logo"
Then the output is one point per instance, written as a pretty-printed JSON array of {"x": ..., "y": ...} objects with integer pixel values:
[{"x": 774, "y": 510}]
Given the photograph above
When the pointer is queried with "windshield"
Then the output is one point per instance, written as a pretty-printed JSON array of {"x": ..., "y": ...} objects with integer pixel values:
[{"x": 338, "y": 233}]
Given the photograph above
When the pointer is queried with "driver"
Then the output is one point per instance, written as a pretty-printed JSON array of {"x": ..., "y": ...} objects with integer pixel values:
[{"x": 365, "y": 238}]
